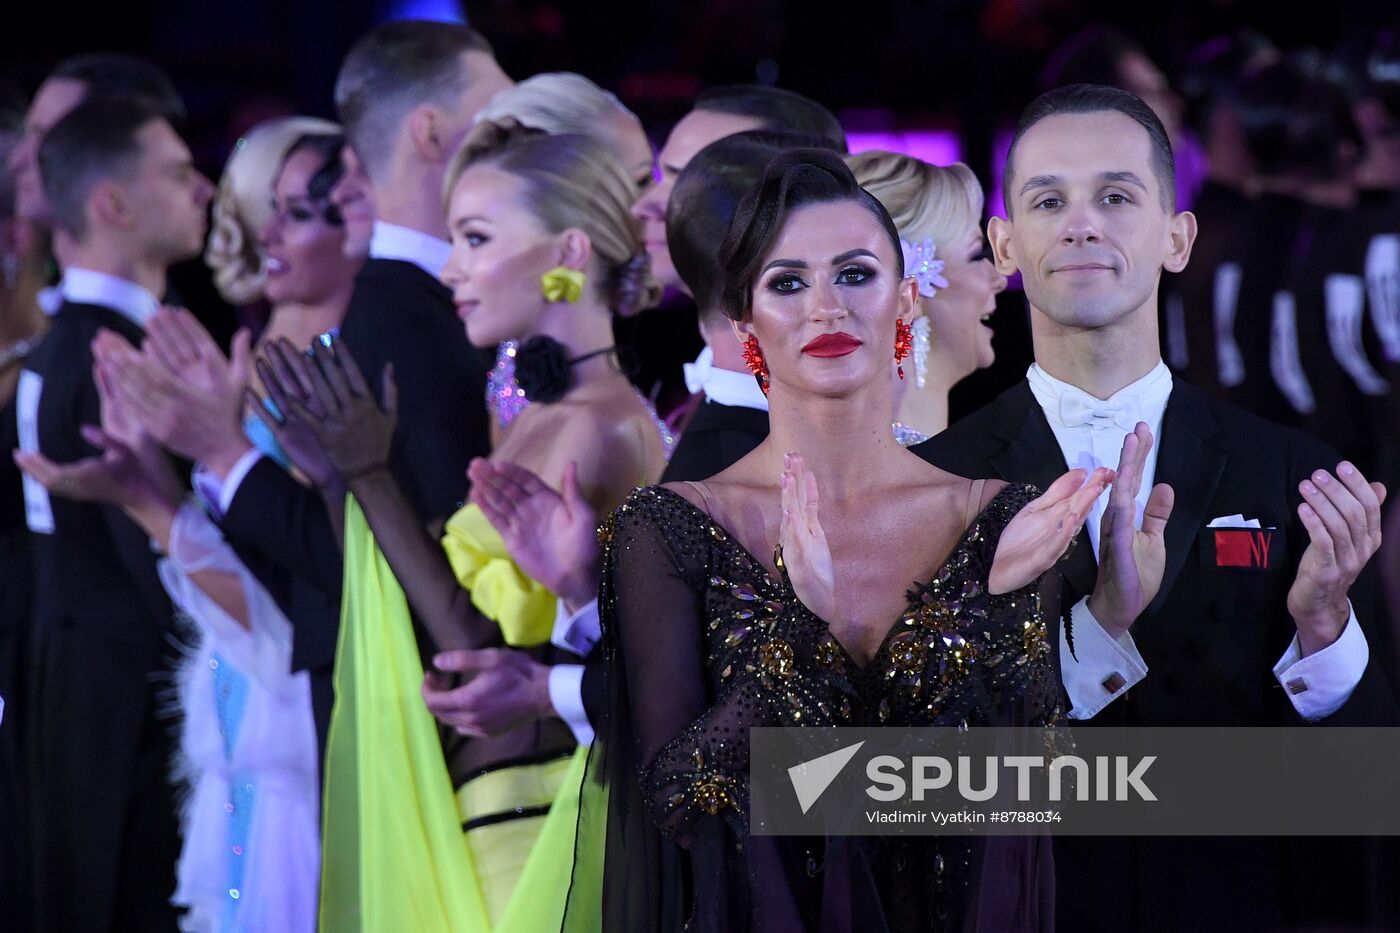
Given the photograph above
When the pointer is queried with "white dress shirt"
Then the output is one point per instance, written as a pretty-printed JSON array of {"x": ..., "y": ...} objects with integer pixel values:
[
  {"x": 1090, "y": 433},
  {"x": 133, "y": 302},
  {"x": 723, "y": 386},
  {"x": 391, "y": 241}
]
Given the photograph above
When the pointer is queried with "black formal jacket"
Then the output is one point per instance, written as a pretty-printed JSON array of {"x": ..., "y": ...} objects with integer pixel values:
[
  {"x": 715, "y": 438},
  {"x": 102, "y": 805},
  {"x": 1210, "y": 639},
  {"x": 400, "y": 314}
]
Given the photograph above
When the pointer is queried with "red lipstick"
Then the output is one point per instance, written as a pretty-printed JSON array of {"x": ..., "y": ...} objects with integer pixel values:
[{"x": 829, "y": 346}]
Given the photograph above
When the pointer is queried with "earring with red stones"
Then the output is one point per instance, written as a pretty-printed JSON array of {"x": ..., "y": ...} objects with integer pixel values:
[
  {"x": 753, "y": 358},
  {"x": 903, "y": 343}
]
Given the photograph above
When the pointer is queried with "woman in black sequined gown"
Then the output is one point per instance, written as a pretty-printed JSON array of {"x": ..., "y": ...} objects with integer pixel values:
[{"x": 710, "y": 631}]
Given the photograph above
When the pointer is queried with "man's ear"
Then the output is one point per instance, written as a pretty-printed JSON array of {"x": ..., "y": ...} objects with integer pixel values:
[
  {"x": 999, "y": 236},
  {"x": 425, "y": 129},
  {"x": 575, "y": 249},
  {"x": 108, "y": 205},
  {"x": 1183, "y": 235}
]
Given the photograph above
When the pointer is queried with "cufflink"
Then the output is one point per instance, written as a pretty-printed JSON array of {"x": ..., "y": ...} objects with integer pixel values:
[
  {"x": 1114, "y": 682},
  {"x": 1297, "y": 686}
]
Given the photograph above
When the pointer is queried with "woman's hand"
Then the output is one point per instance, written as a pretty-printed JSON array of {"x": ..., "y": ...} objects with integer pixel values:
[
  {"x": 281, "y": 375},
  {"x": 1041, "y": 533},
  {"x": 130, "y": 470},
  {"x": 114, "y": 475},
  {"x": 352, "y": 428},
  {"x": 805, "y": 553},
  {"x": 552, "y": 537}
]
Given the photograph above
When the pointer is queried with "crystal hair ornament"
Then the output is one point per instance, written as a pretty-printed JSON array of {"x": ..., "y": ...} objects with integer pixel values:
[{"x": 920, "y": 263}]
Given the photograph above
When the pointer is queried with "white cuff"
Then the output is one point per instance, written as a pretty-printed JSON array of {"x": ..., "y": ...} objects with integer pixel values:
[
  {"x": 566, "y": 694},
  {"x": 235, "y": 478},
  {"x": 1321, "y": 683},
  {"x": 1101, "y": 669},
  {"x": 578, "y": 632}
]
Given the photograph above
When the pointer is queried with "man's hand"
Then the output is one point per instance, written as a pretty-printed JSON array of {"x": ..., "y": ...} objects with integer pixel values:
[
  {"x": 1342, "y": 514},
  {"x": 194, "y": 408},
  {"x": 552, "y": 537},
  {"x": 505, "y": 688},
  {"x": 1131, "y": 559}
]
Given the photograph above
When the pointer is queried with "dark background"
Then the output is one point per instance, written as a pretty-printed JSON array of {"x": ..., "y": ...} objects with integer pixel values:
[{"x": 952, "y": 65}]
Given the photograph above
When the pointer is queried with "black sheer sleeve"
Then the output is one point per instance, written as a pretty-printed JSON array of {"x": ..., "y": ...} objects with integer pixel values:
[{"x": 657, "y": 774}]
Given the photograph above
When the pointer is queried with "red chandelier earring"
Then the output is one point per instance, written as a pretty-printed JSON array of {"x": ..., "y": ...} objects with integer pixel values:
[
  {"x": 903, "y": 343},
  {"x": 753, "y": 358}
]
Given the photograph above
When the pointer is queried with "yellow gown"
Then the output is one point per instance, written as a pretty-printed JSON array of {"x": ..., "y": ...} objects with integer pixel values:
[{"x": 396, "y": 855}]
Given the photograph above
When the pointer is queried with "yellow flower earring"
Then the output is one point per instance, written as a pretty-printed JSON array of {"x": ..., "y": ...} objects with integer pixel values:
[{"x": 562, "y": 284}]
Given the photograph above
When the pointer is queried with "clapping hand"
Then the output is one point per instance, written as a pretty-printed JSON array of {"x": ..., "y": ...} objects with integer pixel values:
[
  {"x": 1342, "y": 514},
  {"x": 129, "y": 470},
  {"x": 1041, "y": 533},
  {"x": 352, "y": 428},
  {"x": 805, "y": 554},
  {"x": 182, "y": 389},
  {"x": 280, "y": 371},
  {"x": 1131, "y": 559},
  {"x": 551, "y": 536}
]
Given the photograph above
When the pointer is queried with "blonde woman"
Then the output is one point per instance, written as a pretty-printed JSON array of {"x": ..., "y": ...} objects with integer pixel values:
[
  {"x": 562, "y": 102},
  {"x": 545, "y": 252},
  {"x": 243, "y": 205},
  {"x": 938, "y": 213}
]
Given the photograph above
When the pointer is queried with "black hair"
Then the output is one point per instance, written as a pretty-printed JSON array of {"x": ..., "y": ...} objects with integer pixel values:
[
  {"x": 775, "y": 109},
  {"x": 794, "y": 179},
  {"x": 327, "y": 146},
  {"x": 95, "y": 140},
  {"x": 1383, "y": 71},
  {"x": 12, "y": 107},
  {"x": 114, "y": 74},
  {"x": 1098, "y": 98},
  {"x": 1215, "y": 70},
  {"x": 1090, "y": 56},
  {"x": 1296, "y": 114},
  {"x": 704, "y": 200}
]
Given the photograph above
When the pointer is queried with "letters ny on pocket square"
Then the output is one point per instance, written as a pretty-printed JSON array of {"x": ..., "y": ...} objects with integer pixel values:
[{"x": 1234, "y": 542}]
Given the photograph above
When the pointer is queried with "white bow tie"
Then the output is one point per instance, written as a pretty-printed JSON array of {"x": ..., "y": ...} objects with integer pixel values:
[
  {"x": 1078, "y": 408},
  {"x": 696, "y": 373}
]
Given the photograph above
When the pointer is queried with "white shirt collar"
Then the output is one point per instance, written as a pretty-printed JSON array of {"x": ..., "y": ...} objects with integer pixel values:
[
  {"x": 1068, "y": 406},
  {"x": 1093, "y": 435},
  {"x": 427, "y": 252},
  {"x": 723, "y": 386},
  {"x": 84, "y": 286}
]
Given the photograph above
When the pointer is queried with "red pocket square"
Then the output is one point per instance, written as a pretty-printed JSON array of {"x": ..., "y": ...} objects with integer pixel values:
[{"x": 1252, "y": 548}]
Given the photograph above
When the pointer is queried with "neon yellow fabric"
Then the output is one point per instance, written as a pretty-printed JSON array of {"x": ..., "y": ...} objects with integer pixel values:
[
  {"x": 523, "y": 608},
  {"x": 394, "y": 855},
  {"x": 523, "y": 865}
]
